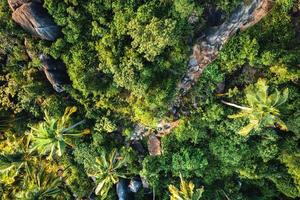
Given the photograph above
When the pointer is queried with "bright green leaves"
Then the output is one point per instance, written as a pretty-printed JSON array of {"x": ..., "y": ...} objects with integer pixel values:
[
  {"x": 41, "y": 183},
  {"x": 108, "y": 168},
  {"x": 262, "y": 110},
  {"x": 281, "y": 74},
  {"x": 186, "y": 192},
  {"x": 238, "y": 51},
  {"x": 186, "y": 8},
  {"x": 292, "y": 161},
  {"x": 153, "y": 37},
  {"x": 189, "y": 162},
  {"x": 52, "y": 136}
]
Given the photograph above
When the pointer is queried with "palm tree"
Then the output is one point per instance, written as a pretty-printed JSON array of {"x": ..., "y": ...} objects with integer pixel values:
[
  {"x": 109, "y": 168},
  {"x": 24, "y": 175},
  {"x": 14, "y": 160},
  {"x": 186, "y": 191},
  {"x": 53, "y": 135},
  {"x": 16, "y": 164},
  {"x": 41, "y": 183},
  {"x": 262, "y": 109}
]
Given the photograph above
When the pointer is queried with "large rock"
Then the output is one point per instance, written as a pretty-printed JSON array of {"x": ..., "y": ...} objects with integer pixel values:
[
  {"x": 135, "y": 184},
  {"x": 14, "y": 4},
  {"x": 34, "y": 18},
  {"x": 154, "y": 146},
  {"x": 122, "y": 189},
  {"x": 55, "y": 72},
  {"x": 258, "y": 14}
]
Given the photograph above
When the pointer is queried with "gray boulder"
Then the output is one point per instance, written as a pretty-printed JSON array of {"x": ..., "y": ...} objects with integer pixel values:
[
  {"x": 55, "y": 72},
  {"x": 32, "y": 17},
  {"x": 135, "y": 185},
  {"x": 122, "y": 189}
]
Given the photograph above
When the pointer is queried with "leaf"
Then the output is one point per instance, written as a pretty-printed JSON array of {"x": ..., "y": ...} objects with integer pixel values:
[
  {"x": 198, "y": 194},
  {"x": 246, "y": 130},
  {"x": 61, "y": 148},
  {"x": 174, "y": 193},
  {"x": 186, "y": 191},
  {"x": 100, "y": 186},
  {"x": 274, "y": 98},
  {"x": 282, "y": 125},
  {"x": 284, "y": 97},
  {"x": 239, "y": 115},
  {"x": 262, "y": 90}
]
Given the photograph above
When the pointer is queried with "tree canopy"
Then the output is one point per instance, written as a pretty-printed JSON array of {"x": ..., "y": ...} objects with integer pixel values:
[{"x": 124, "y": 60}]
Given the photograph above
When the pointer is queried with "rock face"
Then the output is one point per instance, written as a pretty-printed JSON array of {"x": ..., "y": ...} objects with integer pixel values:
[
  {"x": 154, "y": 146},
  {"x": 208, "y": 46},
  {"x": 139, "y": 132},
  {"x": 122, "y": 189},
  {"x": 164, "y": 127},
  {"x": 14, "y": 4},
  {"x": 32, "y": 17},
  {"x": 135, "y": 185},
  {"x": 204, "y": 52},
  {"x": 55, "y": 72}
]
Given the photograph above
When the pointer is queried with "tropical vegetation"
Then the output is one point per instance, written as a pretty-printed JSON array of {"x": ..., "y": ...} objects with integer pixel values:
[{"x": 237, "y": 132}]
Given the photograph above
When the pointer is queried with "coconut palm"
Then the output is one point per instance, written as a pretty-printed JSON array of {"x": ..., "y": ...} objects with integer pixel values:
[
  {"x": 14, "y": 158},
  {"x": 109, "y": 168},
  {"x": 186, "y": 191},
  {"x": 24, "y": 175},
  {"x": 53, "y": 135},
  {"x": 40, "y": 183},
  {"x": 16, "y": 165},
  {"x": 262, "y": 109}
]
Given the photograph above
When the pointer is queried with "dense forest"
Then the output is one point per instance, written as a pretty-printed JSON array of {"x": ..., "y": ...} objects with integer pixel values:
[{"x": 97, "y": 102}]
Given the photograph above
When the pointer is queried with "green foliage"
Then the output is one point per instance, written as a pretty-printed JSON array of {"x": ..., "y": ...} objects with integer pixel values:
[
  {"x": 14, "y": 158},
  {"x": 268, "y": 149},
  {"x": 108, "y": 170},
  {"x": 153, "y": 37},
  {"x": 124, "y": 60},
  {"x": 239, "y": 51},
  {"x": 282, "y": 74},
  {"x": 186, "y": 8},
  {"x": 105, "y": 124},
  {"x": 6, "y": 121},
  {"x": 40, "y": 184},
  {"x": 75, "y": 178},
  {"x": 189, "y": 163},
  {"x": 186, "y": 191},
  {"x": 53, "y": 135},
  {"x": 292, "y": 163},
  {"x": 262, "y": 110}
]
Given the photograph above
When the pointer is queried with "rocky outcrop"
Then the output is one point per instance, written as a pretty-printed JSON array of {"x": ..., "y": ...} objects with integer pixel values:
[
  {"x": 122, "y": 189},
  {"x": 135, "y": 184},
  {"x": 14, "y": 4},
  {"x": 32, "y": 17},
  {"x": 204, "y": 52},
  {"x": 208, "y": 46},
  {"x": 165, "y": 127},
  {"x": 139, "y": 132},
  {"x": 258, "y": 14},
  {"x": 154, "y": 146},
  {"x": 55, "y": 72}
]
